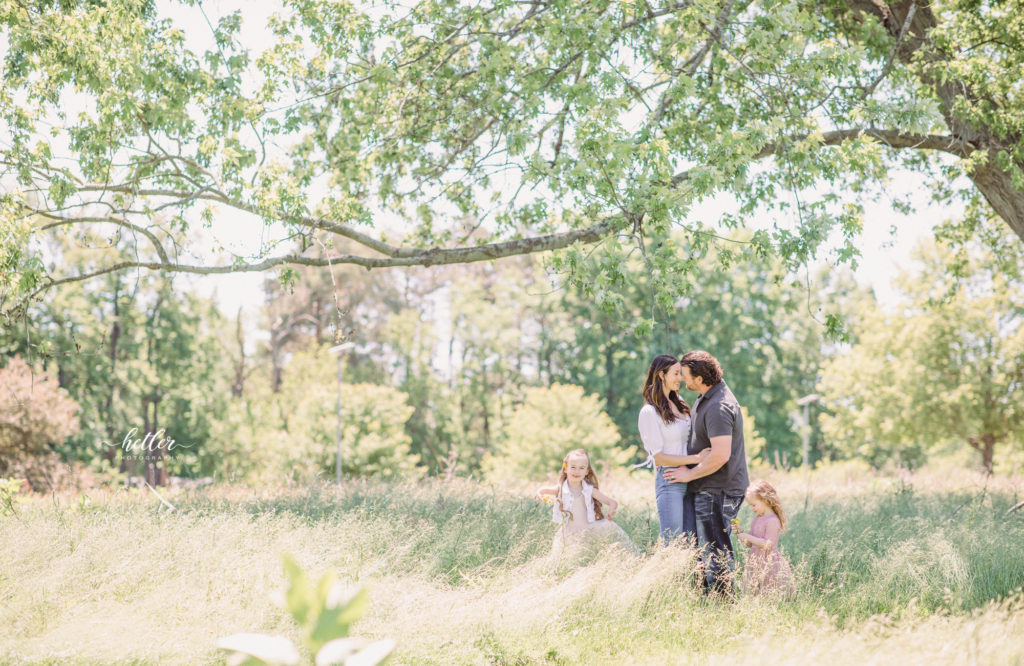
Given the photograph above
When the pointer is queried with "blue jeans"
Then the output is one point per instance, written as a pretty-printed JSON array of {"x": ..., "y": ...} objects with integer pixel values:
[
  {"x": 714, "y": 510},
  {"x": 675, "y": 507}
]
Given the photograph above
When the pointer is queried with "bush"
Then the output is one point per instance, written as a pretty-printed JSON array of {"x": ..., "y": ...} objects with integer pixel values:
[
  {"x": 35, "y": 413},
  {"x": 293, "y": 433},
  {"x": 549, "y": 423}
]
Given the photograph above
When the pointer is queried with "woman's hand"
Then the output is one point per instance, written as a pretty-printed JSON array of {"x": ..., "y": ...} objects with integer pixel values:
[
  {"x": 703, "y": 454},
  {"x": 612, "y": 508},
  {"x": 676, "y": 475}
]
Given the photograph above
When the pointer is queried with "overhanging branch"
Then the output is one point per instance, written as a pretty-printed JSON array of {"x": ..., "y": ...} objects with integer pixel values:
[
  {"x": 404, "y": 257},
  {"x": 412, "y": 257}
]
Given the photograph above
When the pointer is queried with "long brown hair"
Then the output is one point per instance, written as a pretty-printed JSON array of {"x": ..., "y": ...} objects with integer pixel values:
[
  {"x": 654, "y": 390},
  {"x": 590, "y": 478},
  {"x": 764, "y": 491}
]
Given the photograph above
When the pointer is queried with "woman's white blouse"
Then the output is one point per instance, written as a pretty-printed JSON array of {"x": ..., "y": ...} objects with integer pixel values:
[
  {"x": 660, "y": 437},
  {"x": 567, "y": 502}
]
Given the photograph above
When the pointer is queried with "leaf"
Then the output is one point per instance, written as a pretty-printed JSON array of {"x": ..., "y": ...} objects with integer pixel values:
[
  {"x": 338, "y": 650},
  {"x": 334, "y": 622},
  {"x": 299, "y": 597},
  {"x": 374, "y": 653},
  {"x": 264, "y": 648}
]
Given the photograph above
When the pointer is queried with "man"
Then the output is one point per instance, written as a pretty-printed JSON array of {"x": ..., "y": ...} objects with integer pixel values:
[{"x": 718, "y": 483}]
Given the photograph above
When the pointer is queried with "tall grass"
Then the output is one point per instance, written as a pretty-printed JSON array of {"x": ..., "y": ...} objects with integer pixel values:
[{"x": 461, "y": 573}]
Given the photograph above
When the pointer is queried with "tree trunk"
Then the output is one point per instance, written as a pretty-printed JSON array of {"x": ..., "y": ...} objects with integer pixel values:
[
  {"x": 238, "y": 384},
  {"x": 280, "y": 332},
  {"x": 986, "y": 446},
  {"x": 151, "y": 468},
  {"x": 994, "y": 183},
  {"x": 609, "y": 369},
  {"x": 318, "y": 316},
  {"x": 160, "y": 466},
  {"x": 483, "y": 405},
  {"x": 108, "y": 406}
]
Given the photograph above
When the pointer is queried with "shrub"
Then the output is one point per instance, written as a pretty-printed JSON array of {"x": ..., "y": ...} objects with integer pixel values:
[
  {"x": 294, "y": 432},
  {"x": 549, "y": 423},
  {"x": 35, "y": 413}
]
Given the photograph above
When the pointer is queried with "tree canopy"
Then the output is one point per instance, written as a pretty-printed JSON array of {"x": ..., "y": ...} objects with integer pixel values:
[
  {"x": 545, "y": 125},
  {"x": 945, "y": 368}
]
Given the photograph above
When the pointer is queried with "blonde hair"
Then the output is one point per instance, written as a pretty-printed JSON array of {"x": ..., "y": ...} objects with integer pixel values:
[
  {"x": 590, "y": 478},
  {"x": 764, "y": 491}
]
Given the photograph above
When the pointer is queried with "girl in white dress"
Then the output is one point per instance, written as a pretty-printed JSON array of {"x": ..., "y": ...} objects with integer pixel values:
[{"x": 578, "y": 506}]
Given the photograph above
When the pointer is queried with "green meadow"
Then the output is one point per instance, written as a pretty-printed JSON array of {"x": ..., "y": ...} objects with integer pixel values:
[{"x": 926, "y": 568}]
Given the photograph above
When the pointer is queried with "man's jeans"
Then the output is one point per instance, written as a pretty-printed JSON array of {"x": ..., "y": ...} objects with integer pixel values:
[
  {"x": 714, "y": 510},
  {"x": 675, "y": 507}
]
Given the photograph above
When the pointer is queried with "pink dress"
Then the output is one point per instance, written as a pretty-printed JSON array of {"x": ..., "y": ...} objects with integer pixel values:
[{"x": 767, "y": 571}]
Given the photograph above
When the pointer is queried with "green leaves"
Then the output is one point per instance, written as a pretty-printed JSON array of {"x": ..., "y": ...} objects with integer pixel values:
[
  {"x": 951, "y": 355},
  {"x": 324, "y": 612},
  {"x": 531, "y": 118},
  {"x": 563, "y": 414}
]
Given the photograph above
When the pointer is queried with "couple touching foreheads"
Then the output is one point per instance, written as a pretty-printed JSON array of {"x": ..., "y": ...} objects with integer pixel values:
[{"x": 698, "y": 457}]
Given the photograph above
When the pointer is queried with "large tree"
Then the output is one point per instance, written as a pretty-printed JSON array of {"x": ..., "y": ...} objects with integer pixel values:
[
  {"x": 945, "y": 367},
  {"x": 553, "y": 123}
]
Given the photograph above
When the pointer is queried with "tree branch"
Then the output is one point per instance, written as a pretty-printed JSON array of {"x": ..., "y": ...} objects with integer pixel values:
[
  {"x": 411, "y": 257},
  {"x": 892, "y": 54},
  {"x": 891, "y": 138},
  {"x": 59, "y": 221}
]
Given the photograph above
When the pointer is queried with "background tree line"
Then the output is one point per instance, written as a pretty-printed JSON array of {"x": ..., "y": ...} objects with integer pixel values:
[{"x": 496, "y": 368}]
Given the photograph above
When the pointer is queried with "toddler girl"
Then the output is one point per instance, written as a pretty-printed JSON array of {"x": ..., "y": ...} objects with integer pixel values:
[
  {"x": 579, "y": 507},
  {"x": 766, "y": 571}
]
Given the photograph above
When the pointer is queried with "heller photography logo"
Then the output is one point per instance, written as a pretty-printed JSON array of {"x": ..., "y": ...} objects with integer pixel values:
[{"x": 147, "y": 447}]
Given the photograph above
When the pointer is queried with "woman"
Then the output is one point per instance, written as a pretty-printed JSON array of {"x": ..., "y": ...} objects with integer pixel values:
[{"x": 665, "y": 431}]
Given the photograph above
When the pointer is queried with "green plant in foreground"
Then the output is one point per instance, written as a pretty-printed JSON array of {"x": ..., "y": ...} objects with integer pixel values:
[{"x": 324, "y": 611}]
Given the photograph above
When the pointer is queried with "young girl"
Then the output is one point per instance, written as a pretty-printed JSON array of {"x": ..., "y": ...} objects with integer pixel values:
[
  {"x": 579, "y": 507},
  {"x": 767, "y": 571}
]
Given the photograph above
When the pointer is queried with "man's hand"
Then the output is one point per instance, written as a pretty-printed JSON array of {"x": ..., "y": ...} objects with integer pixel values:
[{"x": 677, "y": 475}]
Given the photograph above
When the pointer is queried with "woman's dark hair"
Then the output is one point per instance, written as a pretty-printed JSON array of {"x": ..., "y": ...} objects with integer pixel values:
[
  {"x": 654, "y": 391},
  {"x": 703, "y": 365}
]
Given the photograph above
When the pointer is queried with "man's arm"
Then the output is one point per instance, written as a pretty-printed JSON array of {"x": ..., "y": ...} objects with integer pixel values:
[
  {"x": 721, "y": 450},
  {"x": 669, "y": 460}
]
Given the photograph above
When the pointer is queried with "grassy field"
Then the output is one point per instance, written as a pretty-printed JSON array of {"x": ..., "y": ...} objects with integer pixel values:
[{"x": 922, "y": 568}]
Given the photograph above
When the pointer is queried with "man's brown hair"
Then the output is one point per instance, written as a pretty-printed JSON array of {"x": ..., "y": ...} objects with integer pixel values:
[{"x": 703, "y": 365}]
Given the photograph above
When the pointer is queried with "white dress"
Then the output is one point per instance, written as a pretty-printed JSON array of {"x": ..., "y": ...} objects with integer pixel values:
[{"x": 578, "y": 524}]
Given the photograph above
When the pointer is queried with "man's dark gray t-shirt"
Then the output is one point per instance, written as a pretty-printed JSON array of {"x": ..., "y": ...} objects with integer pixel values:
[{"x": 716, "y": 413}]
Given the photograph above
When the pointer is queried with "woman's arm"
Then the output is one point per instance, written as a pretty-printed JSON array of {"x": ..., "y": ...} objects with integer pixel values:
[
  {"x": 669, "y": 460},
  {"x": 547, "y": 490},
  {"x": 650, "y": 433},
  {"x": 654, "y": 443},
  {"x": 608, "y": 502}
]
